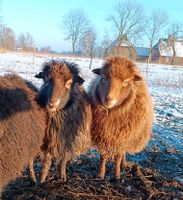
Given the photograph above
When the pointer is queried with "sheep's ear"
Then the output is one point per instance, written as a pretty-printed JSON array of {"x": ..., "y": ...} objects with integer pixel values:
[
  {"x": 79, "y": 80},
  {"x": 137, "y": 78},
  {"x": 68, "y": 83},
  {"x": 97, "y": 71},
  {"x": 40, "y": 75}
]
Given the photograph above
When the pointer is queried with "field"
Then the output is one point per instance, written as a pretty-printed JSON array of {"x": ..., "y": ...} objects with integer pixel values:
[{"x": 156, "y": 172}]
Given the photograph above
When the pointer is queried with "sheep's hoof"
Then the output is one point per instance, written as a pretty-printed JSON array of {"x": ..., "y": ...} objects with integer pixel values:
[
  {"x": 100, "y": 177},
  {"x": 117, "y": 177},
  {"x": 42, "y": 180},
  {"x": 33, "y": 179},
  {"x": 124, "y": 165},
  {"x": 63, "y": 178}
]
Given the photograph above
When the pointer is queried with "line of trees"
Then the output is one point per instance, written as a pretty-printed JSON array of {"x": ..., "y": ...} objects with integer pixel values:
[
  {"x": 9, "y": 41},
  {"x": 127, "y": 21}
]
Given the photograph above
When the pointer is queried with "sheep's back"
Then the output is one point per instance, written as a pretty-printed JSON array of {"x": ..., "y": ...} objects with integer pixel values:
[{"x": 21, "y": 126}]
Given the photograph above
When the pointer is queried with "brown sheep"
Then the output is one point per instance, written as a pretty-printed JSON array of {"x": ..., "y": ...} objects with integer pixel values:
[
  {"x": 69, "y": 114},
  {"x": 122, "y": 112},
  {"x": 22, "y": 127}
]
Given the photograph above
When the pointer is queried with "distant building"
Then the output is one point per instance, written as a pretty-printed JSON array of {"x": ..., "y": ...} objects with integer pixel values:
[
  {"x": 163, "y": 51},
  {"x": 142, "y": 54},
  {"x": 126, "y": 49}
]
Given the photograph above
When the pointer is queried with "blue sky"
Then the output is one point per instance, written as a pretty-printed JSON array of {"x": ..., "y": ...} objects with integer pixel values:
[{"x": 43, "y": 18}]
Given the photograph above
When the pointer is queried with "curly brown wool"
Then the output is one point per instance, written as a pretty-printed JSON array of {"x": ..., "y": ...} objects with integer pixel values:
[
  {"x": 69, "y": 111},
  {"x": 122, "y": 112},
  {"x": 22, "y": 127}
]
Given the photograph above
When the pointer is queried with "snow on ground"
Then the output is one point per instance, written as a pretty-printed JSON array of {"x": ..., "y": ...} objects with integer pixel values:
[{"x": 165, "y": 150}]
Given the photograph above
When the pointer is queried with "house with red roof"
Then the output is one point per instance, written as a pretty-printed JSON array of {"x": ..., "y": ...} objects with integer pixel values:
[{"x": 168, "y": 51}]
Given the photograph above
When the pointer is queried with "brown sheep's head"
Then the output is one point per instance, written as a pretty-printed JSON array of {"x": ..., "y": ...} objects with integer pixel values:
[
  {"x": 59, "y": 78},
  {"x": 117, "y": 79}
]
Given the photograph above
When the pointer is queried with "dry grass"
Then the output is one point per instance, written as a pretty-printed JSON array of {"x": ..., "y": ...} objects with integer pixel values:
[{"x": 137, "y": 183}]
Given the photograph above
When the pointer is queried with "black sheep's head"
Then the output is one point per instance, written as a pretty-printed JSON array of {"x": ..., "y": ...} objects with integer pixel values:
[{"x": 59, "y": 78}]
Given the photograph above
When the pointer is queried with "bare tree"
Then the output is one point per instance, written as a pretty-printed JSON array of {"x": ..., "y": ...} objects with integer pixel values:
[
  {"x": 154, "y": 25},
  {"x": 105, "y": 45},
  {"x": 128, "y": 20},
  {"x": 175, "y": 29},
  {"x": 88, "y": 43},
  {"x": 7, "y": 37},
  {"x": 26, "y": 42},
  {"x": 75, "y": 24}
]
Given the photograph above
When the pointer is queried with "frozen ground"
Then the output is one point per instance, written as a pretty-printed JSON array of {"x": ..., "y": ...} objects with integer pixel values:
[{"x": 164, "y": 153}]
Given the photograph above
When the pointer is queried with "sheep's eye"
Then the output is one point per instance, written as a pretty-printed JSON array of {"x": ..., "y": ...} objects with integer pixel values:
[
  {"x": 125, "y": 83},
  {"x": 103, "y": 79}
]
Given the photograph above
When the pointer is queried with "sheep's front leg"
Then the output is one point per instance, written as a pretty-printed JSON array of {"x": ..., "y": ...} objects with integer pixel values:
[
  {"x": 46, "y": 167},
  {"x": 63, "y": 175},
  {"x": 102, "y": 168},
  {"x": 123, "y": 160},
  {"x": 31, "y": 171},
  {"x": 118, "y": 159}
]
